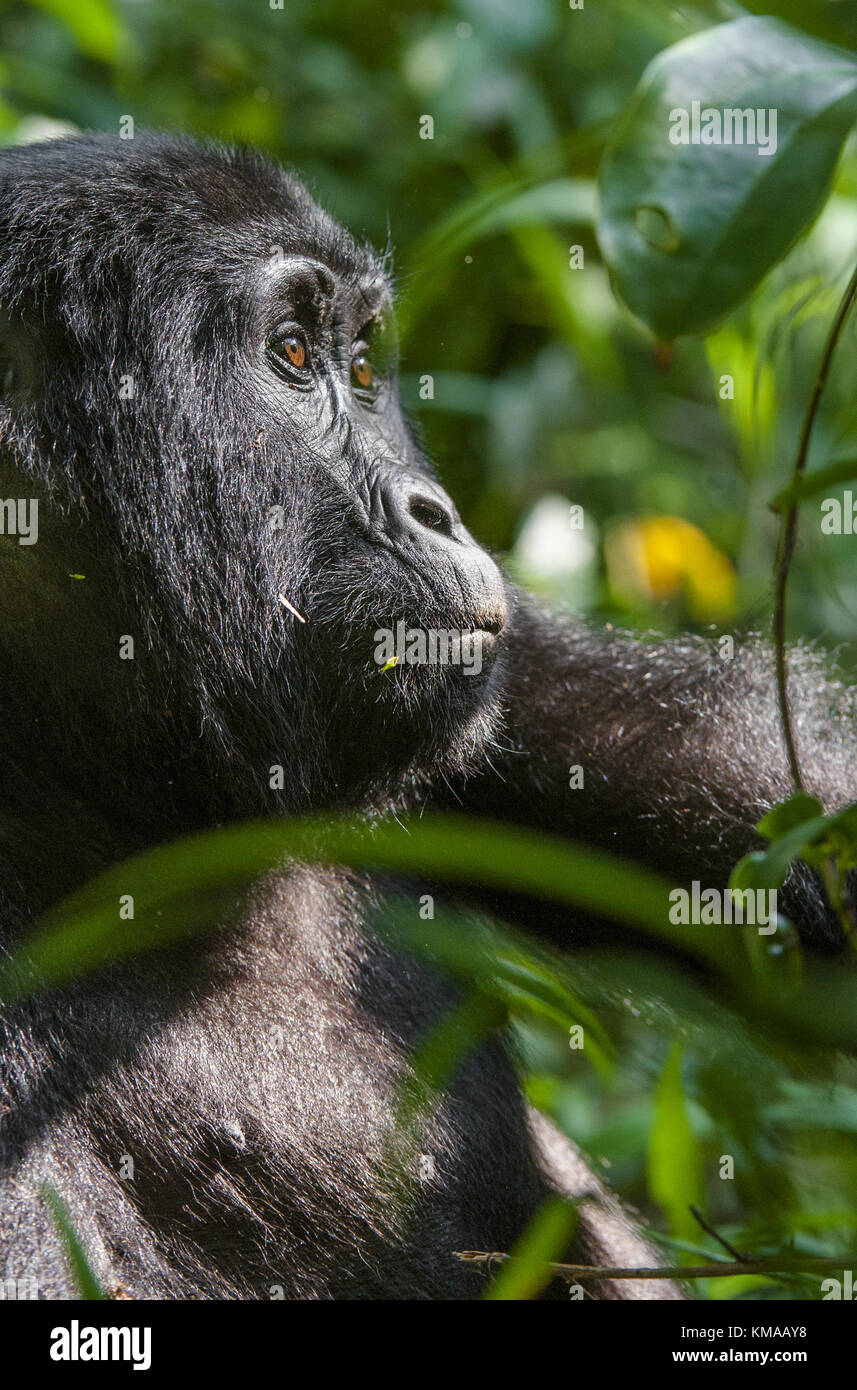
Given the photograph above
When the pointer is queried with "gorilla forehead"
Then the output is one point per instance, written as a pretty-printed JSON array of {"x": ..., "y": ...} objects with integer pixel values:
[{"x": 89, "y": 203}]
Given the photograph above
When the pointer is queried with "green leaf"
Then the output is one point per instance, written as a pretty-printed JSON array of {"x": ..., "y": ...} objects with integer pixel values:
[
  {"x": 87, "y": 1282},
  {"x": 758, "y": 870},
  {"x": 185, "y": 887},
  {"x": 689, "y": 230},
  {"x": 565, "y": 201},
  {"x": 842, "y": 837},
  {"x": 789, "y": 814},
  {"x": 813, "y": 484},
  {"x": 769, "y": 868},
  {"x": 94, "y": 24},
  {"x": 675, "y": 1162},
  {"x": 502, "y": 966},
  {"x": 543, "y": 1242}
]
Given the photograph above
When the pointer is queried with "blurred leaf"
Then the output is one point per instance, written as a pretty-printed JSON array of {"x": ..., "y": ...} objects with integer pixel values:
[
  {"x": 766, "y": 869},
  {"x": 545, "y": 1240},
  {"x": 516, "y": 972},
  {"x": 173, "y": 886},
  {"x": 816, "y": 483},
  {"x": 87, "y": 1282},
  {"x": 94, "y": 24},
  {"x": 797, "y": 829},
  {"x": 505, "y": 206},
  {"x": 788, "y": 815},
  {"x": 815, "y": 1107},
  {"x": 433, "y": 1064},
  {"x": 737, "y": 1285},
  {"x": 498, "y": 209},
  {"x": 675, "y": 1161},
  {"x": 452, "y": 1037}
]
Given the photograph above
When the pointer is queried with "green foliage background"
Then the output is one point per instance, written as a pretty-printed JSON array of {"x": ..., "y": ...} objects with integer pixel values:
[{"x": 545, "y": 386}]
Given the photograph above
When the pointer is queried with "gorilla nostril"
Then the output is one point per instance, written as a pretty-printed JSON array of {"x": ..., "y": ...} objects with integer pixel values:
[
  {"x": 414, "y": 511},
  {"x": 429, "y": 514}
]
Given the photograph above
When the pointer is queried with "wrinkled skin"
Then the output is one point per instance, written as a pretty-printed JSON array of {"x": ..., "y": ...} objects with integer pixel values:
[{"x": 185, "y": 341}]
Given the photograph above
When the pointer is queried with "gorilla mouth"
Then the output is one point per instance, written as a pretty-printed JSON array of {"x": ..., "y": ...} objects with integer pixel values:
[
  {"x": 492, "y": 627},
  {"x": 484, "y": 634},
  {"x": 469, "y": 645}
]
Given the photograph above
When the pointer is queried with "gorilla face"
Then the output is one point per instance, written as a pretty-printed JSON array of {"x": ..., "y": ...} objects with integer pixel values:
[
  {"x": 200, "y": 387},
  {"x": 377, "y": 550}
]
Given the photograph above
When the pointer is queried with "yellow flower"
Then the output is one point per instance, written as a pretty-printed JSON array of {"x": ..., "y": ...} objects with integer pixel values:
[{"x": 660, "y": 557}]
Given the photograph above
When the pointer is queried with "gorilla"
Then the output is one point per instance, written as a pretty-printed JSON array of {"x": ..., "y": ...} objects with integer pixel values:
[{"x": 200, "y": 419}]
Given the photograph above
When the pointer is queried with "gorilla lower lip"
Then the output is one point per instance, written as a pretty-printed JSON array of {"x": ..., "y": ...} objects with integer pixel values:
[{"x": 416, "y": 646}]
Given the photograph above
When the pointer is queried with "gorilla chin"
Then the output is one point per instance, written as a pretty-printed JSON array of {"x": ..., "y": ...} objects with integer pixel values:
[
  {"x": 418, "y": 648},
  {"x": 426, "y": 703}
]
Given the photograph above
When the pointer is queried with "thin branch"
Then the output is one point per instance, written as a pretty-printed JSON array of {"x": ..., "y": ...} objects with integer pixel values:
[
  {"x": 788, "y": 529},
  {"x": 764, "y": 1264},
  {"x": 721, "y": 1240}
]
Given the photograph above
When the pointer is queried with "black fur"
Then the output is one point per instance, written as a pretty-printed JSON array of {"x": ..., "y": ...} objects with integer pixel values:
[{"x": 252, "y": 1076}]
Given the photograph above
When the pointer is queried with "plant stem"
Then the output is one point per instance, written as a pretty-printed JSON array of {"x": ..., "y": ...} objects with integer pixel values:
[
  {"x": 788, "y": 531},
  {"x": 765, "y": 1264}
]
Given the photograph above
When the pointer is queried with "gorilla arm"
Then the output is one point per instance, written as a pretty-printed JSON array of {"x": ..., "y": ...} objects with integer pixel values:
[{"x": 663, "y": 752}]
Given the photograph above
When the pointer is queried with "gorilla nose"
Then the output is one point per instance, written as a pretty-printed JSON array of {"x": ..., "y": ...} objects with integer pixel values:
[
  {"x": 420, "y": 520},
  {"x": 431, "y": 513},
  {"x": 407, "y": 508}
]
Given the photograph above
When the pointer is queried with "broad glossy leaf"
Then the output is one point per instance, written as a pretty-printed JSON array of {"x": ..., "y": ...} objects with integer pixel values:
[{"x": 689, "y": 230}]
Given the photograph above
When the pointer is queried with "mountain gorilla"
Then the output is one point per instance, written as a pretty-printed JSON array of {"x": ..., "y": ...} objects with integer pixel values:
[{"x": 198, "y": 376}]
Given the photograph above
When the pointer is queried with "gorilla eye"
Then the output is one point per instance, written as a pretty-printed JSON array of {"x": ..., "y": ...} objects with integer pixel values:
[
  {"x": 373, "y": 357},
  {"x": 288, "y": 352},
  {"x": 361, "y": 370},
  {"x": 294, "y": 350}
]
